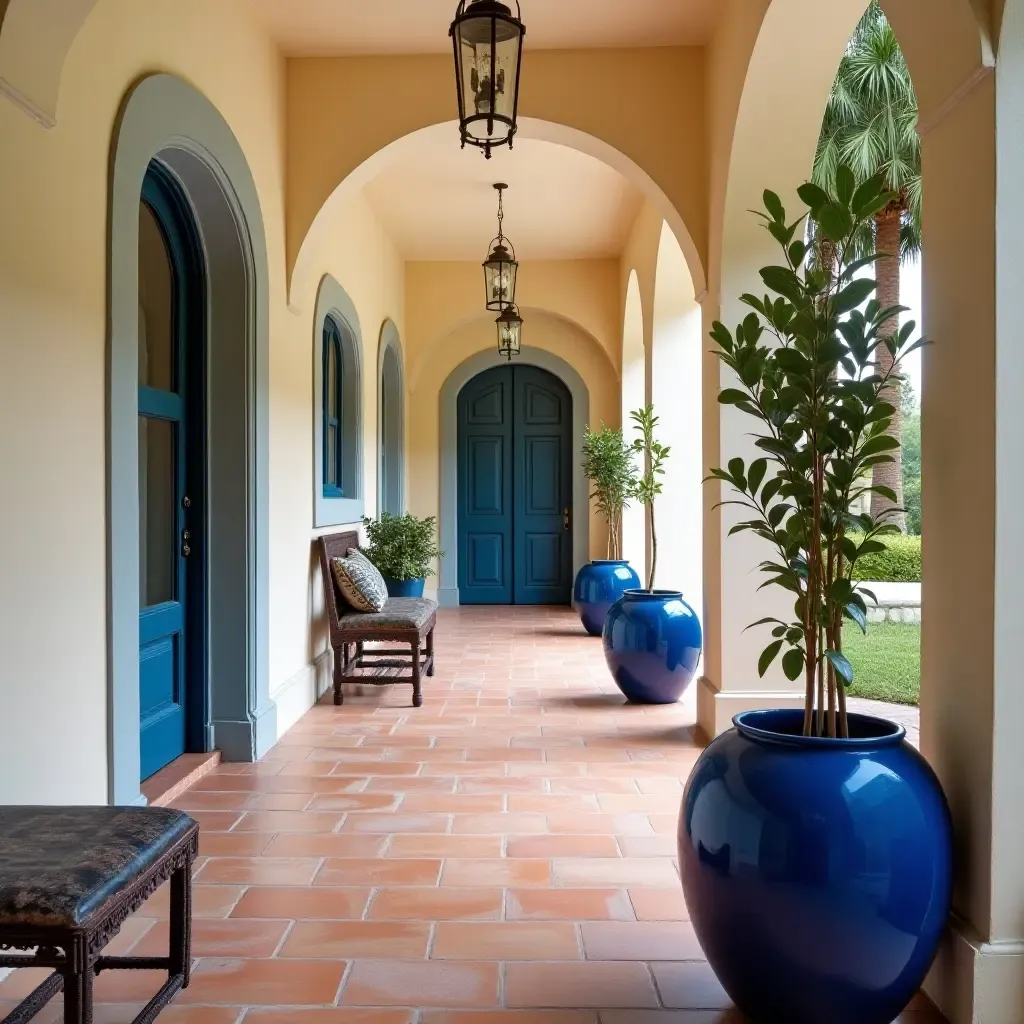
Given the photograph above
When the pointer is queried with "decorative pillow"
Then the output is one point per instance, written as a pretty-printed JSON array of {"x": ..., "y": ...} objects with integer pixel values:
[{"x": 359, "y": 582}]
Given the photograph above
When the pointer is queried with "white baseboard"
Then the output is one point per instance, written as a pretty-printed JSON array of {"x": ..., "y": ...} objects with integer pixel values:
[{"x": 298, "y": 694}]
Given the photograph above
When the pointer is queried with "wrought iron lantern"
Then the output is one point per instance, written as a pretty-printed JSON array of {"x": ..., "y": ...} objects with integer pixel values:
[
  {"x": 488, "y": 42},
  {"x": 500, "y": 267},
  {"x": 510, "y": 332}
]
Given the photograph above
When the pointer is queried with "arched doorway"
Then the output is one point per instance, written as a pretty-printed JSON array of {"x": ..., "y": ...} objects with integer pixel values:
[{"x": 515, "y": 488}]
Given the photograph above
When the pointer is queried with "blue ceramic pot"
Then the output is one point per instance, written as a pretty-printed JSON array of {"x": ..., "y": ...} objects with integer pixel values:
[
  {"x": 404, "y": 588},
  {"x": 817, "y": 872},
  {"x": 652, "y": 642},
  {"x": 599, "y": 584}
]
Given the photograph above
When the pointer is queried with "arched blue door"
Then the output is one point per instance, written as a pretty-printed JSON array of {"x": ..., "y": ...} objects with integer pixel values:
[
  {"x": 171, "y": 508},
  {"x": 515, "y": 488}
]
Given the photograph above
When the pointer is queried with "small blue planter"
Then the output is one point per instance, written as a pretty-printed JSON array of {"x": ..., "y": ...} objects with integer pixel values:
[
  {"x": 652, "y": 643},
  {"x": 404, "y": 588},
  {"x": 817, "y": 872},
  {"x": 599, "y": 584}
]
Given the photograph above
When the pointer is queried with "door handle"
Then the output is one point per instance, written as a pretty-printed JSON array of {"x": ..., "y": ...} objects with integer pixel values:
[
  {"x": 565, "y": 518},
  {"x": 186, "y": 549}
]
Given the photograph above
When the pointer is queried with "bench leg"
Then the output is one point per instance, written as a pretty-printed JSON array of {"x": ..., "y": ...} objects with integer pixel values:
[
  {"x": 180, "y": 950},
  {"x": 78, "y": 979},
  {"x": 430, "y": 653},
  {"x": 417, "y": 695},
  {"x": 340, "y": 664}
]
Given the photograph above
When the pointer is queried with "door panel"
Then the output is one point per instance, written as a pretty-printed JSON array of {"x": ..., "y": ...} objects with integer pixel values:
[
  {"x": 515, "y": 488},
  {"x": 542, "y": 431},
  {"x": 485, "y": 489},
  {"x": 168, "y": 514}
]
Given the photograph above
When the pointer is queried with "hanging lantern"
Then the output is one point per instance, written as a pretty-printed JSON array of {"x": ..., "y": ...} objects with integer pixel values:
[
  {"x": 488, "y": 42},
  {"x": 500, "y": 267},
  {"x": 510, "y": 333}
]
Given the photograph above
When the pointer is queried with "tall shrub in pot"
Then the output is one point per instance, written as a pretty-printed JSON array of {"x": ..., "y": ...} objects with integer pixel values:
[
  {"x": 403, "y": 548},
  {"x": 835, "y": 912},
  {"x": 652, "y": 638},
  {"x": 608, "y": 463}
]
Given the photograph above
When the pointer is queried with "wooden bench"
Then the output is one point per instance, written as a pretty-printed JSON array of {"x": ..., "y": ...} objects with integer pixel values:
[
  {"x": 70, "y": 877},
  {"x": 403, "y": 620}
]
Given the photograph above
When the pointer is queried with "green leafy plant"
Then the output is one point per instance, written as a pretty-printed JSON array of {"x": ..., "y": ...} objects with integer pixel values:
[
  {"x": 819, "y": 396},
  {"x": 900, "y": 562},
  {"x": 608, "y": 464},
  {"x": 402, "y": 547},
  {"x": 649, "y": 485}
]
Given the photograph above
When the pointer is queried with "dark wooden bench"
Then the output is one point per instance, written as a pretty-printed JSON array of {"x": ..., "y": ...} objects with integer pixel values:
[
  {"x": 70, "y": 877},
  {"x": 403, "y": 620}
]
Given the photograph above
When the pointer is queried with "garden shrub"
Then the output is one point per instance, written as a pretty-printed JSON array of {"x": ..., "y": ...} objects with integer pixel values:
[{"x": 899, "y": 563}]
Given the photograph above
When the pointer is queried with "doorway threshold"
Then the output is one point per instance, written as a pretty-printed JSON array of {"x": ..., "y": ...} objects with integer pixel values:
[{"x": 170, "y": 782}]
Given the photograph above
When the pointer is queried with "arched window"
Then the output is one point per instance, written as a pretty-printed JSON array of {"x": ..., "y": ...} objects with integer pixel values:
[{"x": 333, "y": 405}]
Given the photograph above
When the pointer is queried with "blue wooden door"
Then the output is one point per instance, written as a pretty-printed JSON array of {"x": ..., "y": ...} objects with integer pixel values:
[
  {"x": 542, "y": 487},
  {"x": 515, "y": 488},
  {"x": 485, "y": 489},
  {"x": 170, "y": 508}
]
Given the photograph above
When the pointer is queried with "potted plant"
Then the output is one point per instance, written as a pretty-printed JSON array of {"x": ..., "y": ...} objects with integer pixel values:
[
  {"x": 814, "y": 843},
  {"x": 402, "y": 548},
  {"x": 652, "y": 638},
  {"x": 608, "y": 464}
]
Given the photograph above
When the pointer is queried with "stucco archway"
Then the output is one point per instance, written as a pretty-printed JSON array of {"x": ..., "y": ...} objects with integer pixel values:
[{"x": 166, "y": 119}]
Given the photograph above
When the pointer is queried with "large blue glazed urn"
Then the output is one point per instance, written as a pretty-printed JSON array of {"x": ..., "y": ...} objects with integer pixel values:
[
  {"x": 404, "y": 588},
  {"x": 599, "y": 584},
  {"x": 817, "y": 871},
  {"x": 652, "y": 642}
]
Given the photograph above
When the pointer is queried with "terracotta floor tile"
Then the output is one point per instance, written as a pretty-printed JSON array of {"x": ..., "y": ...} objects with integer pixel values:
[
  {"x": 577, "y": 985},
  {"x": 421, "y": 983},
  {"x": 288, "y": 821},
  {"x": 378, "y": 1016},
  {"x": 643, "y": 940},
  {"x": 453, "y": 803},
  {"x": 418, "y": 784},
  {"x": 510, "y": 1017},
  {"x": 647, "y": 846},
  {"x": 357, "y": 939},
  {"x": 689, "y": 986},
  {"x": 499, "y": 824},
  {"x": 387, "y": 823},
  {"x": 511, "y": 940},
  {"x": 595, "y": 872},
  {"x": 602, "y": 824},
  {"x": 229, "y": 938},
  {"x": 264, "y": 982},
  {"x": 501, "y": 785},
  {"x": 325, "y": 844},
  {"x": 303, "y": 904},
  {"x": 207, "y": 901},
  {"x": 494, "y": 872},
  {"x": 259, "y": 870},
  {"x": 216, "y": 821},
  {"x": 568, "y": 905},
  {"x": 441, "y": 904},
  {"x": 354, "y": 802},
  {"x": 379, "y": 871},
  {"x": 425, "y": 845},
  {"x": 548, "y": 803},
  {"x": 233, "y": 844},
  {"x": 562, "y": 846},
  {"x": 659, "y": 904}
]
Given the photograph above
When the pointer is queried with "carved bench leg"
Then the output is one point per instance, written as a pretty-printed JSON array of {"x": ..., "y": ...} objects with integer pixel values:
[
  {"x": 78, "y": 979},
  {"x": 180, "y": 951},
  {"x": 417, "y": 695},
  {"x": 340, "y": 665},
  {"x": 430, "y": 653}
]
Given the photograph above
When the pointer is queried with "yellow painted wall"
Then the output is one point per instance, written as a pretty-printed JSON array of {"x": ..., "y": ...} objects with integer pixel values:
[
  {"x": 53, "y": 222},
  {"x": 360, "y": 256}
]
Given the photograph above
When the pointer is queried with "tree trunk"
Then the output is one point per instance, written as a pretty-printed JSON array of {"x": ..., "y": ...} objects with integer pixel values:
[{"x": 889, "y": 474}]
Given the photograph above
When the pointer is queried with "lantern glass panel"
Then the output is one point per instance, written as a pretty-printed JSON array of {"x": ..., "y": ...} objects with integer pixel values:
[
  {"x": 500, "y": 282},
  {"x": 479, "y": 63}
]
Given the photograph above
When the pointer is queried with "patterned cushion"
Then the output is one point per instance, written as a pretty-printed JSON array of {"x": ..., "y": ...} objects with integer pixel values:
[
  {"x": 360, "y": 584},
  {"x": 398, "y": 613},
  {"x": 59, "y": 865}
]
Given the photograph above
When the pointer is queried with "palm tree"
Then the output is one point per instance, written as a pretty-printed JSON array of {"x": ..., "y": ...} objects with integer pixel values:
[{"x": 871, "y": 126}]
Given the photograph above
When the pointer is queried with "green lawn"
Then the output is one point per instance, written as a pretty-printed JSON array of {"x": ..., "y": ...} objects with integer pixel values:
[{"x": 886, "y": 662}]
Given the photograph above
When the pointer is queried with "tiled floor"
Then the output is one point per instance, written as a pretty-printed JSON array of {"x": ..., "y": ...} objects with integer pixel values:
[{"x": 504, "y": 854}]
